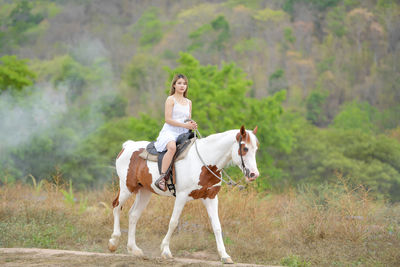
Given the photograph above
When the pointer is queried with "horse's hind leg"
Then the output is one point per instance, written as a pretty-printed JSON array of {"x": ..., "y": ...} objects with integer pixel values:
[
  {"x": 114, "y": 240},
  {"x": 141, "y": 201}
]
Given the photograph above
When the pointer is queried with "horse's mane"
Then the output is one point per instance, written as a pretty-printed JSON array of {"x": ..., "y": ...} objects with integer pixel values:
[{"x": 253, "y": 137}]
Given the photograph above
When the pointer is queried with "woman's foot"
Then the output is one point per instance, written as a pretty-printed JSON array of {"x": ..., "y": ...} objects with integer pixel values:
[{"x": 161, "y": 182}]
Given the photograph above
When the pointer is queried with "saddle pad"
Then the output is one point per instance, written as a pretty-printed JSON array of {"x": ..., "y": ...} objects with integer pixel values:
[{"x": 147, "y": 156}]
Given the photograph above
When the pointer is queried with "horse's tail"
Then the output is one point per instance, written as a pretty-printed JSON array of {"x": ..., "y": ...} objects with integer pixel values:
[{"x": 115, "y": 203}]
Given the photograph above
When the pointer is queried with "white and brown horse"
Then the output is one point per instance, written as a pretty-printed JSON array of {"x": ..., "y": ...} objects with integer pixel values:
[{"x": 193, "y": 181}]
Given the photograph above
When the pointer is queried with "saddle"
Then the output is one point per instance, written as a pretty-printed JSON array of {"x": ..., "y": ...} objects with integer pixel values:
[{"x": 183, "y": 143}]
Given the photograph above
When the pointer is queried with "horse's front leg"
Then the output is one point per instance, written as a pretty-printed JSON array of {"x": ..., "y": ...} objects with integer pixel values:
[
  {"x": 180, "y": 202},
  {"x": 121, "y": 198},
  {"x": 141, "y": 201},
  {"x": 212, "y": 210}
]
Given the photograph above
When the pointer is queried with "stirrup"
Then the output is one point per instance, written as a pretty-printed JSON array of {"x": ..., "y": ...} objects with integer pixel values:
[{"x": 161, "y": 182}]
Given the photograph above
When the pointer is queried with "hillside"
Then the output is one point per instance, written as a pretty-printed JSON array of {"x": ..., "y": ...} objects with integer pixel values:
[{"x": 320, "y": 78}]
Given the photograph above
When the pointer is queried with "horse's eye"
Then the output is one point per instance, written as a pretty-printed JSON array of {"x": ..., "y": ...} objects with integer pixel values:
[{"x": 245, "y": 149}]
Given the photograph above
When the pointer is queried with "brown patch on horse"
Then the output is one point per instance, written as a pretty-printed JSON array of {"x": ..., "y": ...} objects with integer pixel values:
[
  {"x": 245, "y": 138},
  {"x": 207, "y": 182},
  {"x": 115, "y": 203},
  {"x": 122, "y": 151},
  {"x": 138, "y": 174},
  {"x": 242, "y": 150}
]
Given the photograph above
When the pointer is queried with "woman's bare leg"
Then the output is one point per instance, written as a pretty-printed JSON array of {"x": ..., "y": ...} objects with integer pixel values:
[{"x": 171, "y": 149}]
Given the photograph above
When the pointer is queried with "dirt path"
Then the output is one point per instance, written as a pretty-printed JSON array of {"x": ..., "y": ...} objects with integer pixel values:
[{"x": 52, "y": 257}]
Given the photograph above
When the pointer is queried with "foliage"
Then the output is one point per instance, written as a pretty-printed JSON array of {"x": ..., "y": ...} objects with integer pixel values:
[
  {"x": 69, "y": 196},
  {"x": 364, "y": 158},
  {"x": 288, "y": 34},
  {"x": 196, "y": 36},
  {"x": 325, "y": 64},
  {"x": 111, "y": 106},
  {"x": 15, "y": 74},
  {"x": 221, "y": 25},
  {"x": 150, "y": 28},
  {"x": 315, "y": 105},
  {"x": 356, "y": 116},
  {"x": 37, "y": 186},
  {"x": 254, "y": 4},
  {"x": 136, "y": 72},
  {"x": 277, "y": 81},
  {"x": 336, "y": 21},
  {"x": 288, "y": 5},
  {"x": 388, "y": 118},
  {"x": 247, "y": 45},
  {"x": 219, "y": 32},
  {"x": 78, "y": 76},
  {"x": 267, "y": 14},
  {"x": 354, "y": 60},
  {"x": 20, "y": 19}
]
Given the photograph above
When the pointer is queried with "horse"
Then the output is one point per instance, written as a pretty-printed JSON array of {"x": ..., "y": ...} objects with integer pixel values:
[{"x": 197, "y": 177}]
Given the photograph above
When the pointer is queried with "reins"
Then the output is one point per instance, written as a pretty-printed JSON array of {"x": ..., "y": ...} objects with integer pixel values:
[{"x": 231, "y": 182}]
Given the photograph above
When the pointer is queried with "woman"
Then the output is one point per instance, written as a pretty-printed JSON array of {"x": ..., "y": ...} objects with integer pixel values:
[{"x": 178, "y": 113}]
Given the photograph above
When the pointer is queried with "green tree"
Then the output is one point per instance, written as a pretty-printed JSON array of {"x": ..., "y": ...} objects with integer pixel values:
[
  {"x": 315, "y": 107},
  {"x": 336, "y": 21},
  {"x": 77, "y": 76},
  {"x": 150, "y": 28},
  {"x": 356, "y": 116},
  {"x": 221, "y": 25},
  {"x": 15, "y": 74},
  {"x": 19, "y": 20},
  {"x": 218, "y": 31},
  {"x": 277, "y": 81},
  {"x": 361, "y": 157},
  {"x": 288, "y": 5}
]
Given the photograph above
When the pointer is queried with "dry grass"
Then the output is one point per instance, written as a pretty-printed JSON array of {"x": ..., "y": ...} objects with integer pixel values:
[{"x": 315, "y": 226}]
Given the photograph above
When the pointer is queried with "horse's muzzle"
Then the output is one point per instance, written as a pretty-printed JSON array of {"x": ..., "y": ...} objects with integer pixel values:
[{"x": 252, "y": 176}]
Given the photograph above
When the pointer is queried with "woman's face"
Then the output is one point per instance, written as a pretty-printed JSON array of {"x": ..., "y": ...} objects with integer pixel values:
[{"x": 180, "y": 86}]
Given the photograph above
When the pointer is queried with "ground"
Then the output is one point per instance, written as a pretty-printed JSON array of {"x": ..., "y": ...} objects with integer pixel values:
[{"x": 51, "y": 257}]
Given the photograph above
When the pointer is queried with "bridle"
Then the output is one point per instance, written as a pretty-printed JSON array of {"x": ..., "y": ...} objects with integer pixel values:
[{"x": 245, "y": 170}]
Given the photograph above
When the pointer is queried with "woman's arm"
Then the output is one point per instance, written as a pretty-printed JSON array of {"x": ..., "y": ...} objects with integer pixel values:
[{"x": 169, "y": 105}]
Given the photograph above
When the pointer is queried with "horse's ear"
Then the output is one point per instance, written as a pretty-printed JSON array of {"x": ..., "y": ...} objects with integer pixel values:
[
  {"x": 255, "y": 130},
  {"x": 242, "y": 133},
  {"x": 242, "y": 130}
]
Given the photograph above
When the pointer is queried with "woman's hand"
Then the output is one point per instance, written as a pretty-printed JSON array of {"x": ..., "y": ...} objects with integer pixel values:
[{"x": 191, "y": 125}]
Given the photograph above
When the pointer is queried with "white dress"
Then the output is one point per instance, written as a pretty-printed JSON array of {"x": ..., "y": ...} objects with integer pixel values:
[{"x": 170, "y": 133}]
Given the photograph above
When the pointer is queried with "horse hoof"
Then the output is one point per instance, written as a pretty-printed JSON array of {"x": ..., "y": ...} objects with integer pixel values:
[
  {"x": 166, "y": 255},
  {"x": 136, "y": 252},
  {"x": 111, "y": 246},
  {"x": 227, "y": 260}
]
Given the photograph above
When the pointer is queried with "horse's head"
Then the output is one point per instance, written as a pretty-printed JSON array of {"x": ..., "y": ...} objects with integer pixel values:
[{"x": 244, "y": 153}]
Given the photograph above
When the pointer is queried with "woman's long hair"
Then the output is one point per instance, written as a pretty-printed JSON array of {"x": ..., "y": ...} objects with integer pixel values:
[{"x": 177, "y": 77}]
